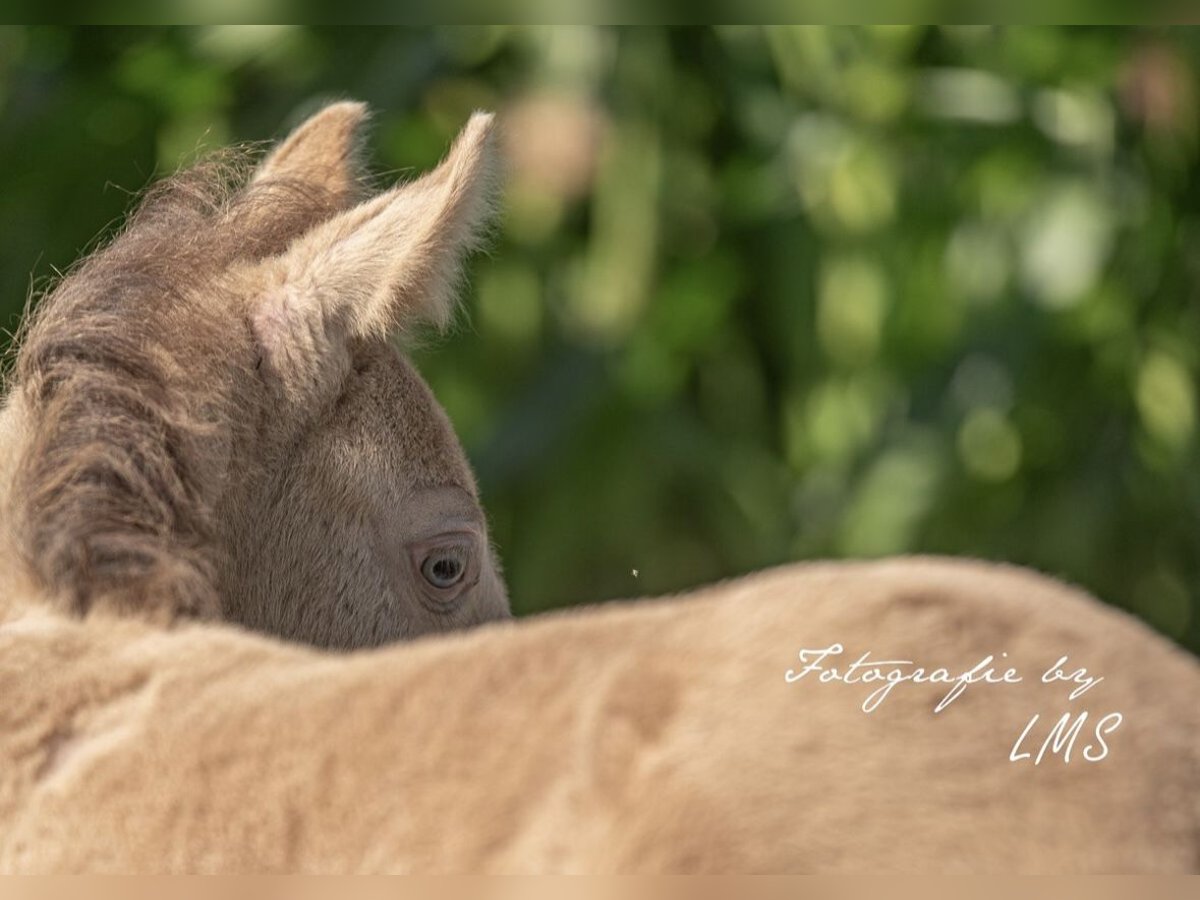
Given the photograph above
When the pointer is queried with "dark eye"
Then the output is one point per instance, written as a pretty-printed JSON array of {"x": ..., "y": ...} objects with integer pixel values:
[{"x": 445, "y": 567}]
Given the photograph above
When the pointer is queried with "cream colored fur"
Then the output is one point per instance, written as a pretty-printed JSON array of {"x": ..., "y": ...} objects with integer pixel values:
[{"x": 655, "y": 736}]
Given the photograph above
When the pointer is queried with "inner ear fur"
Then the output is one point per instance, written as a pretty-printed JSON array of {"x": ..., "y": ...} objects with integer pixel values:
[{"x": 386, "y": 263}]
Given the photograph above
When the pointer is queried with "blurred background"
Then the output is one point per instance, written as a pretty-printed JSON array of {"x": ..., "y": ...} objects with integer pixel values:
[{"x": 758, "y": 295}]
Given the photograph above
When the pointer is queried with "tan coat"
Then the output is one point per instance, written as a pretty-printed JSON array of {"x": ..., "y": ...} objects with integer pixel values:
[{"x": 653, "y": 736}]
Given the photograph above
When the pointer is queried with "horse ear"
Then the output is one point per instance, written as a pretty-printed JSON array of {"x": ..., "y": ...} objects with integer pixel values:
[
  {"x": 390, "y": 261},
  {"x": 321, "y": 152}
]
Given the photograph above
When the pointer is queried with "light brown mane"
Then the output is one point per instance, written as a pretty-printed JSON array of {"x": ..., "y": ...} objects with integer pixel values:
[{"x": 128, "y": 371}]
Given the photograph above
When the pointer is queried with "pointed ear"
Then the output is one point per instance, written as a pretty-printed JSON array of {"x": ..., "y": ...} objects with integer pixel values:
[
  {"x": 391, "y": 261},
  {"x": 321, "y": 152},
  {"x": 311, "y": 175}
]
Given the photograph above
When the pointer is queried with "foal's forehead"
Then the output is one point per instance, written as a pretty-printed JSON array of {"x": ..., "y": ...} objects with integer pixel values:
[{"x": 388, "y": 408}]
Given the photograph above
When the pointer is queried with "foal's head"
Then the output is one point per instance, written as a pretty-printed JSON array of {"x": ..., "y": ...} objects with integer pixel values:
[{"x": 213, "y": 423}]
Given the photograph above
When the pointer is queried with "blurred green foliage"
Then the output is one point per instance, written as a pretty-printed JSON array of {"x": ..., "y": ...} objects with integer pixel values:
[{"x": 758, "y": 294}]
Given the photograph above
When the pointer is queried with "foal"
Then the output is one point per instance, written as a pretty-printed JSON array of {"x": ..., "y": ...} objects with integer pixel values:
[{"x": 207, "y": 419}]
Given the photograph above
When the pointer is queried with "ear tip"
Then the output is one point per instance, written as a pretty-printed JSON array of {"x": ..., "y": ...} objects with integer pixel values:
[
  {"x": 477, "y": 149},
  {"x": 481, "y": 136},
  {"x": 339, "y": 120},
  {"x": 481, "y": 125},
  {"x": 352, "y": 112}
]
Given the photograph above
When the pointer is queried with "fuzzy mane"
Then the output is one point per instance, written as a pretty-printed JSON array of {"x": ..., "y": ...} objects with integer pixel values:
[{"x": 129, "y": 378}]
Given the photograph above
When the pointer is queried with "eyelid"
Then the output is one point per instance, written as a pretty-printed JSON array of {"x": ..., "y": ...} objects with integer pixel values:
[
  {"x": 465, "y": 535},
  {"x": 467, "y": 538}
]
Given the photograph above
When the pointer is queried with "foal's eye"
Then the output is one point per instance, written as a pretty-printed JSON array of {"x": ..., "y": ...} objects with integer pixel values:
[{"x": 445, "y": 567}]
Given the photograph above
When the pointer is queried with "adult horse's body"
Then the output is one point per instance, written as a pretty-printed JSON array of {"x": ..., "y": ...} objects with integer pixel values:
[
  {"x": 206, "y": 424},
  {"x": 648, "y": 737}
]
